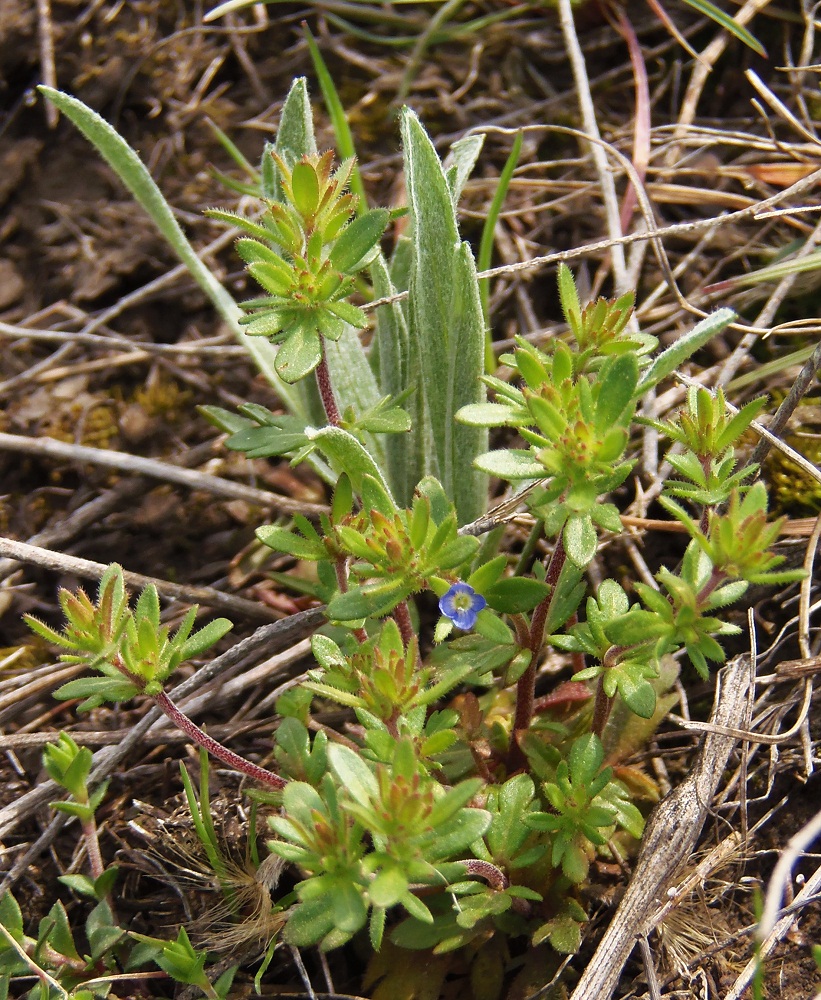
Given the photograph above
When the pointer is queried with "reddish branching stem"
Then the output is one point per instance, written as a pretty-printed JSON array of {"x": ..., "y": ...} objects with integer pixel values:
[
  {"x": 326, "y": 392},
  {"x": 526, "y": 686},
  {"x": 601, "y": 709},
  {"x": 494, "y": 876},
  {"x": 401, "y": 615},
  {"x": 196, "y": 735},
  {"x": 92, "y": 842},
  {"x": 527, "y": 682}
]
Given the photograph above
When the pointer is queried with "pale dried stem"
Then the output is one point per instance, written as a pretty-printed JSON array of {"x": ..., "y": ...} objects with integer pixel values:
[
  {"x": 89, "y": 570},
  {"x": 45, "y": 31},
  {"x": 165, "y": 471},
  {"x": 606, "y": 183}
]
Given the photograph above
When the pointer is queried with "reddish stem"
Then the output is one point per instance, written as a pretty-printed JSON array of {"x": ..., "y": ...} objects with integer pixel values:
[
  {"x": 95, "y": 857},
  {"x": 526, "y": 687},
  {"x": 494, "y": 876},
  {"x": 601, "y": 709},
  {"x": 326, "y": 392},
  {"x": 527, "y": 682},
  {"x": 401, "y": 615},
  {"x": 216, "y": 749}
]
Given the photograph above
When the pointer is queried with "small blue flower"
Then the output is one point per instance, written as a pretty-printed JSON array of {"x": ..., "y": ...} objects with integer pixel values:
[{"x": 462, "y": 605}]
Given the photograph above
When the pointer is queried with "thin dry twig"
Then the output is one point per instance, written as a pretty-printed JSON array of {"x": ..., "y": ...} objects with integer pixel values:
[
  {"x": 87, "y": 569},
  {"x": 51, "y": 448}
]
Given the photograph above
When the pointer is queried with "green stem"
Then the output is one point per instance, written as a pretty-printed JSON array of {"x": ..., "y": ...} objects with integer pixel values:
[{"x": 529, "y": 549}]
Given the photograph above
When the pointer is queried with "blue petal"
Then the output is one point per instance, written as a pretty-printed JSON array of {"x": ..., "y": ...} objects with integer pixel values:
[{"x": 464, "y": 620}]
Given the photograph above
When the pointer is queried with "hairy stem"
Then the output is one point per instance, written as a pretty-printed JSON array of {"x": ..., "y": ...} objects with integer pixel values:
[
  {"x": 326, "y": 392},
  {"x": 527, "y": 682},
  {"x": 601, "y": 709},
  {"x": 216, "y": 749},
  {"x": 526, "y": 686},
  {"x": 401, "y": 615}
]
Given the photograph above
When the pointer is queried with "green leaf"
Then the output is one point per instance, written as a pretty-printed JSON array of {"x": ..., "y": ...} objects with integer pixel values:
[
  {"x": 347, "y": 455},
  {"x": 580, "y": 540},
  {"x": 507, "y": 832},
  {"x": 298, "y": 355},
  {"x": 441, "y": 506},
  {"x": 446, "y": 327},
  {"x": 616, "y": 391},
  {"x": 569, "y": 298},
  {"x": 134, "y": 175},
  {"x": 356, "y": 243},
  {"x": 11, "y": 918},
  {"x": 454, "y": 836},
  {"x": 205, "y": 638},
  {"x": 516, "y": 594},
  {"x": 98, "y": 689},
  {"x": 60, "y": 937},
  {"x": 461, "y": 160},
  {"x": 305, "y": 188},
  {"x": 342, "y": 131},
  {"x": 295, "y": 136},
  {"x": 510, "y": 463},
  {"x": 356, "y": 605},
  {"x": 389, "y": 886},
  {"x": 668, "y": 361},
  {"x": 491, "y": 415},
  {"x": 353, "y": 773},
  {"x": 638, "y": 694},
  {"x": 489, "y": 626},
  {"x": 309, "y": 922},
  {"x": 282, "y": 540}
]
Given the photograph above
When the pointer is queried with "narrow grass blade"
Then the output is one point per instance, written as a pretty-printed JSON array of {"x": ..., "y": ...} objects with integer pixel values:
[
  {"x": 233, "y": 150},
  {"x": 486, "y": 244},
  {"x": 132, "y": 172},
  {"x": 344, "y": 139},
  {"x": 729, "y": 24}
]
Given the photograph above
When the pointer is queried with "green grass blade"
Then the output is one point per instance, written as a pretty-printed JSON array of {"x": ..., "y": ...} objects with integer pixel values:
[
  {"x": 486, "y": 244},
  {"x": 344, "y": 139},
  {"x": 729, "y": 24},
  {"x": 135, "y": 176},
  {"x": 233, "y": 151}
]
